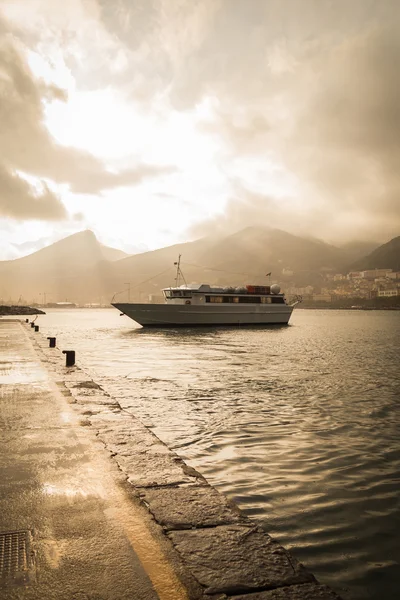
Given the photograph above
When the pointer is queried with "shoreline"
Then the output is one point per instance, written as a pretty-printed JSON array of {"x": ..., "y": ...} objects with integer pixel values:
[{"x": 219, "y": 551}]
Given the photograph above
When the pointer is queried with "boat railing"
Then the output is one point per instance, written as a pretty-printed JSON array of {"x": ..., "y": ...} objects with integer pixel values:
[{"x": 296, "y": 299}]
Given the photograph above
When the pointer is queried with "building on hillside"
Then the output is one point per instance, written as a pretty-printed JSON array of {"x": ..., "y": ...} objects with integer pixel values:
[
  {"x": 339, "y": 277},
  {"x": 393, "y": 275},
  {"x": 374, "y": 273},
  {"x": 300, "y": 291},
  {"x": 354, "y": 275},
  {"x": 389, "y": 293}
]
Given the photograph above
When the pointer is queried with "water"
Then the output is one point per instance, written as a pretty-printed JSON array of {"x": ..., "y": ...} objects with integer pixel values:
[{"x": 299, "y": 425}]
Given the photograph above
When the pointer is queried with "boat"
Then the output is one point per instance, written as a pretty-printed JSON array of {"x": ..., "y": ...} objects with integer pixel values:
[{"x": 189, "y": 305}]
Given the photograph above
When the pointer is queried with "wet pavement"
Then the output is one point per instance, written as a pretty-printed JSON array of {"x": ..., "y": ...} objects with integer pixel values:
[
  {"x": 101, "y": 509},
  {"x": 57, "y": 483}
]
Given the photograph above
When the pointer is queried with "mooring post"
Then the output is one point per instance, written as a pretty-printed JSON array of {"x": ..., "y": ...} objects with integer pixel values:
[
  {"x": 69, "y": 358},
  {"x": 52, "y": 342},
  {"x": 32, "y": 323},
  {"x": 26, "y": 320},
  {"x": 36, "y": 328}
]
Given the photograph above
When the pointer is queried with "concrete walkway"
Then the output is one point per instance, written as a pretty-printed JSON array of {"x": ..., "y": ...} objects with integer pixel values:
[
  {"x": 59, "y": 486},
  {"x": 94, "y": 507}
]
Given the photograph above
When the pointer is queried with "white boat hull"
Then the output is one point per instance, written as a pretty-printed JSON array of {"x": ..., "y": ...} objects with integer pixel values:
[{"x": 175, "y": 315}]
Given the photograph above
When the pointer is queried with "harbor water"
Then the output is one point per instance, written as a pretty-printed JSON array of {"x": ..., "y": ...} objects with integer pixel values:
[{"x": 300, "y": 425}]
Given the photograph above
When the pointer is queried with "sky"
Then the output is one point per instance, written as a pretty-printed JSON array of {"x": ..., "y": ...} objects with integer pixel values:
[{"x": 153, "y": 122}]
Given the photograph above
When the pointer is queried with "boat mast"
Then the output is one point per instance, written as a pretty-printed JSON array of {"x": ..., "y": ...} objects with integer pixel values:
[{"x": 179, "y": 273}]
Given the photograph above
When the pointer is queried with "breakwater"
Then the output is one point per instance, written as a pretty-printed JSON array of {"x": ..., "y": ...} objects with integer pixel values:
[{"x": 219, "y": 551}]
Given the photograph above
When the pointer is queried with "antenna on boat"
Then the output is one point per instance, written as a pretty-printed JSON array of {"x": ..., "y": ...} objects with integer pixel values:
[{"x": 179, "y": 273}]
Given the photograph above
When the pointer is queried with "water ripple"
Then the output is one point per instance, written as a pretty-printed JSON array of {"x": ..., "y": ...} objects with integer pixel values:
[{"x": 300, "y": 425}]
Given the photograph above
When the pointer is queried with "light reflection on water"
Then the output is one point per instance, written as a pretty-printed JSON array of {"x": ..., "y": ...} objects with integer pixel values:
[{"x": 300, "y": 425}]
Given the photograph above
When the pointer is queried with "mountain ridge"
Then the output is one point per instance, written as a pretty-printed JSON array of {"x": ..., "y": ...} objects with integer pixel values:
[
  {"x": 76, "y": 268},
  {"x": 385, "y": 256}
]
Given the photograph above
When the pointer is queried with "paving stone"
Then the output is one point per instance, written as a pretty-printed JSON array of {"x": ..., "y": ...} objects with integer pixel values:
[
  {"x": 307, "y": 591},
  {"x": 150, "y": 470},
  {"x": 236, "y": 559},
  {"x": 128, "y": 443},
  {"x": 186, "y": 508},
  {"x": 94, "y": 399},
  {"x": 111, "y": 420}
]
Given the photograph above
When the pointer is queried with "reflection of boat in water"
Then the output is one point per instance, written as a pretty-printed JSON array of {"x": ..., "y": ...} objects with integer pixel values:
[{"x": 194, "y": 304}]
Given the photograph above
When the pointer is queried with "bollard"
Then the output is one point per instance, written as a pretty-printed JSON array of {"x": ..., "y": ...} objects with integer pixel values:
[
  {"x": 52, "y": 342},
  {"x": 36, "y": 328},
  {"x": 69, "y": 358},
  {"x": 26, "y": 320},
  {"x": 32, "y": 323}
]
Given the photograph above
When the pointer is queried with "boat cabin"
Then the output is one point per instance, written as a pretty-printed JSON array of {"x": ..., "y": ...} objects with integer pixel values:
[{"x": 204, "y": 294}]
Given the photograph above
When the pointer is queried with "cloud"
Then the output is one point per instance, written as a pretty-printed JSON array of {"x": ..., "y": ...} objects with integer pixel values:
[
  {"x": 26, "y": 144},
  {"x": 19, "y": 200},
  {"x": 246, "y": 208},
  {"x": 348, "y": 137},
  {"x": 335, "y": 124},
  {"x": 94, "y": 182},
  {"x": 309, "y": 86}
]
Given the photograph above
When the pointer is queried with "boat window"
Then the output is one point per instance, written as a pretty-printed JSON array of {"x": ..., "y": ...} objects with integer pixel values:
[
  {"x": 178, "y": 294},
  {"x": 265, "y": 300},
  {"x": 234, "y": 299},
  {"x": 250, "y": 299},
  {"x": 222, "y": 299},
  {"x": 278, "y": 300}
]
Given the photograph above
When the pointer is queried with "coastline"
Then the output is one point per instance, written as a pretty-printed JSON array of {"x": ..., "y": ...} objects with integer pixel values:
[{"x": 219, "y": 552}]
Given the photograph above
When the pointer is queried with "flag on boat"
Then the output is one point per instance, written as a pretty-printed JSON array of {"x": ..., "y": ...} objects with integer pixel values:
[{"x": 268, "y": 274}]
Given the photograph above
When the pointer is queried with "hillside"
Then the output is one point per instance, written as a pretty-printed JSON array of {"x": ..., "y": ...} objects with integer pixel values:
[
  {"x": 72, "y": 268},
  {"x": 112, "y": 254},
  {"x": 356, "y": 250},
  {"x": 79, "y": 269},
  {"x": 80, "y": 250},
  {"x": 386, "y": 256},
  {"x": 243, "y": 257},
  {"x": 257, "y": 250}
]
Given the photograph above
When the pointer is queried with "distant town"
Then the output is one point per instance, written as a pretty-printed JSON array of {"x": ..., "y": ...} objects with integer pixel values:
[{"x": 374, "y": 287}]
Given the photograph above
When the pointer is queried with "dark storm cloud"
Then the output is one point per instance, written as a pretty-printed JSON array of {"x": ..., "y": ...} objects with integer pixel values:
[
  {"x": 26, "y": 144},
  {"x": 309, "y": 84},
  {"x": 19, "y": 201},
  {"x": 348, "y": 138},
  {"x": 330, "y": 114}
]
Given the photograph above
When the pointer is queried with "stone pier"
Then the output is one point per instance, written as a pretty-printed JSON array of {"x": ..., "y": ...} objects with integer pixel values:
[{"x": 93, "y": 506}]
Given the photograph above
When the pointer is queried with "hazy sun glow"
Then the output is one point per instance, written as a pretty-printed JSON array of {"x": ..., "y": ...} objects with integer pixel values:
[{"x": 154, "y": 120}]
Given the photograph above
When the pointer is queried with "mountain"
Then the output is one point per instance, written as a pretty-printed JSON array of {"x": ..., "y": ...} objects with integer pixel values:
[
  {"x": 80, "y": 269},
  {"x": 112, "y": 254},
  {"x": 78, "y": 250},
  {"x": 243, "y": 257},
  {"x": 386, "y": 256},
  {"x": 356, "y": 250},
  {"x": 66, "y": 269},
  {"x": 256, "y": 250}
]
